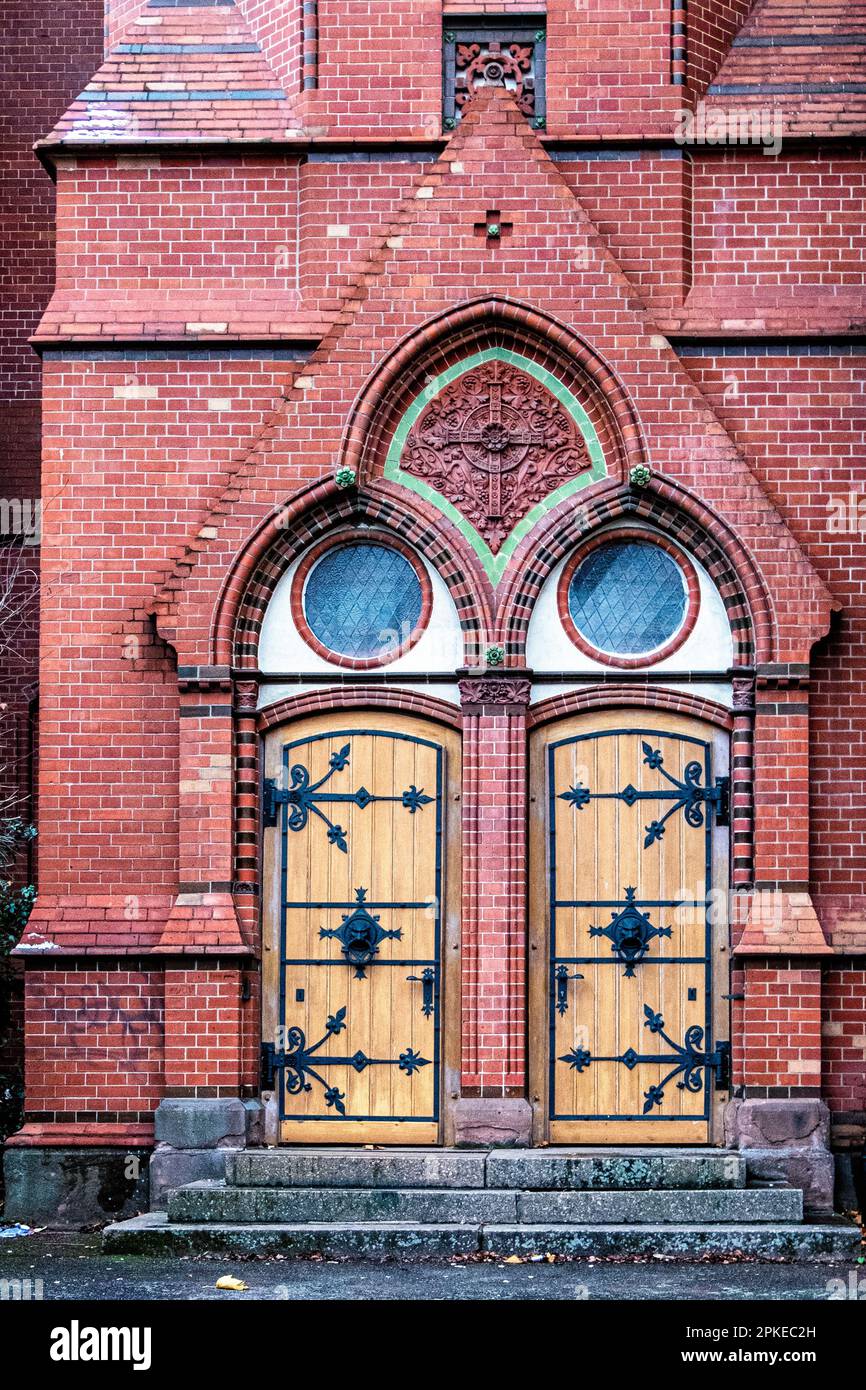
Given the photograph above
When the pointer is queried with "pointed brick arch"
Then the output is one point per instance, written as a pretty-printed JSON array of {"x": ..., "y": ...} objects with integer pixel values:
[
  {"x": 327, "y": 510},
  {"x": 481, "y": 324},
  {"x": 675, "y": 513}
]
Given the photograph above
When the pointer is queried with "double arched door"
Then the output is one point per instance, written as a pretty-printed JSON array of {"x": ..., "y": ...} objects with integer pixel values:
[{"x": 627, "y": 927}]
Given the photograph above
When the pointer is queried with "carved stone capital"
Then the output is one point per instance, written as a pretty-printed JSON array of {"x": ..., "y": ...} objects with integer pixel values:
[
  {"x": 744, "y": 693},
  {"x": 495, "y": 690},
  {"x": 246, "y": 696}
]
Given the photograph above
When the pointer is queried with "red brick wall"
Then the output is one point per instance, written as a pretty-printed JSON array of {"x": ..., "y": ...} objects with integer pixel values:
[
  {"x": 134, "y": 447},
  {"x": 800, "y": 420},
  {"x": 780, "y": 1043},
  {"x": 844, "y": 1037},
  {"x": 787, "y": 221},
  {"x": 710, "y": 24},
  {"x": 94, "y": 1042}
]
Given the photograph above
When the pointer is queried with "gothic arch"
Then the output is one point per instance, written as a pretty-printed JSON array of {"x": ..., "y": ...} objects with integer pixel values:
[
  {"x": 325, "y": 509},
  {"x": 484, "y": 323},
  {"x": 675, "y": 513}
]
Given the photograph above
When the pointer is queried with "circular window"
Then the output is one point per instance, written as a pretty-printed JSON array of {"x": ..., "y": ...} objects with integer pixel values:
[
  {"x": 361, "y": 602},
  {"x": 628, "y": 599}
]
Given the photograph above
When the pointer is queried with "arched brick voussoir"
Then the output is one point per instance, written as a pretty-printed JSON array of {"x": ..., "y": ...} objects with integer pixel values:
[
  {"x": 628, "y": 696},
  {"x": 325, "y": 701},
  {"x": 322, "y": 510},
  {"x": 490, "y": 321},
  {"x": 747, "y": 593}
]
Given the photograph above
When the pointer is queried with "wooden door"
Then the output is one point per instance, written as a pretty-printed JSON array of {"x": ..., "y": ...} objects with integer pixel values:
[
  {"x": 356, "y": 920},
  {"x": 629, "y": 927}
]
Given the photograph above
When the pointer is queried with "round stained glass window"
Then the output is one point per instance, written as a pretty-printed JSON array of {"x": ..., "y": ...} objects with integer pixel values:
[
  {"x": 363, "y": 602},
  {"x": 627, "y": 597}
]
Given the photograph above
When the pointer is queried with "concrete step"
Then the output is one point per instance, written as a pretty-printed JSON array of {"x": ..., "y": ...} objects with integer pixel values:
[
  {"x": 342, "y": 1167},
  {"x": 619, "y": 1170},
  {"x": 524, "y": 1169},
  {"x": 211, "y": 1202},
  {"x": 154, "y": 1234}
]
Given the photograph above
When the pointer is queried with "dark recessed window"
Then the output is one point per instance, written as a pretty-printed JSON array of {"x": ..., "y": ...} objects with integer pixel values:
[
  {"x": 363, "y": 601},
  {"x": 494, "y": 53}
]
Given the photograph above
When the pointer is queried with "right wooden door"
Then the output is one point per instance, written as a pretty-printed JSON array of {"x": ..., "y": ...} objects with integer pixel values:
[{"x": 629, "y": 927}]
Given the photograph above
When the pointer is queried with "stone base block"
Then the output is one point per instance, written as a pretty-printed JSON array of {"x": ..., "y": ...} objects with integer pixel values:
[
  {"x": 67, "y": 1188},
  {"x": 202, "y": 1124},
  {"x": 174, "y": 1168},
  {"x": 194, "y": 1138},
  {"x": 785, "y": 1141},
  {"x": 485, "y": 1124},
  {"x": 812, "y": 1170}
]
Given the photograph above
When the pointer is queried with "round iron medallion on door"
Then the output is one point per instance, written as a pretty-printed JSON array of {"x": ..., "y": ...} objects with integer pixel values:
[
  {"x": 628, "y": 598},
  {"x": 361, "y": 601}
]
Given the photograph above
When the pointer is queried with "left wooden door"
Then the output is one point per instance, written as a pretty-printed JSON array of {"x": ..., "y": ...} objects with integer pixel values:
[{"x": 358, "y": 904}]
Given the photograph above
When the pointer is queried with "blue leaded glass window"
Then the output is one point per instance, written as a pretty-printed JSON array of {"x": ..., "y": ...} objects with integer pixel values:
[
  {"x": 627, "y": 597},
  {"x": 363, "y": 601}
]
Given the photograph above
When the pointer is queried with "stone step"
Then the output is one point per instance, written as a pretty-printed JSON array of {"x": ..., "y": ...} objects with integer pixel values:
[
  {"x": 209, "y": 1202},
  {"x": 216, "y": 1202},
  {"x": 154, "y": 1234},
  {"x": 525, "y": 1169},
  {"x": 619, "y": 1170},
  {"x": 340, "y": 1167}
]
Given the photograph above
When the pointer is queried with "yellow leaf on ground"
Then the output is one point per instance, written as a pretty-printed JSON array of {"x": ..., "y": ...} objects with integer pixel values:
[{"x": 228, "y": 1281}]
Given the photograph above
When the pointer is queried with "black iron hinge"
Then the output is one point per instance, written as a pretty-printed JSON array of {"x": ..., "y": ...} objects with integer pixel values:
[
  {"x": 720, "y": 796},
  {"x": 720, "y": 1061},
  {"x": 272, "y": 1062},
  {"x": 272, "y": 798}
]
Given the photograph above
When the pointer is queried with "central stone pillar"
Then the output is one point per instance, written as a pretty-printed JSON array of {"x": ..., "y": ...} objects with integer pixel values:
[{"x": 493, "y": 1108}]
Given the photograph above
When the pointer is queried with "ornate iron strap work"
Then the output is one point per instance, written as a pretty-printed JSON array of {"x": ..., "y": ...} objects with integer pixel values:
[
  {"x": 299, "y": 1061},
  {"x": 360, "y": 932},
  {"x": 630, "y": 932},
  {"x": 304, "y": 797},
  {"x": 690, "y": 1061},
  {"x": 360, "y": 926},
  {"x": 688, "y": 795},
  {"x": 632, "y": 927},
  {"x": 485, "y": 54}
]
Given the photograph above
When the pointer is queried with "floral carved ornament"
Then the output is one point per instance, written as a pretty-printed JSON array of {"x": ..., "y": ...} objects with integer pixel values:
[{"x": 495, "y": 443}]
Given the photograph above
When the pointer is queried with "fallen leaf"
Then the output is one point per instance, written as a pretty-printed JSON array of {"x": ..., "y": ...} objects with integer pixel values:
[
  {"x": 228, "y": 1281},
  {"x": 513, "y": 1260}
]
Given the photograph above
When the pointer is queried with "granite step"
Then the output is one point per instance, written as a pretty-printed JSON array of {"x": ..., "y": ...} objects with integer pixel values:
[
  {"x": 155, "y": 1234},
  {"x": 210, "y": 1202},
  {"x": 520, "y": 1169}
]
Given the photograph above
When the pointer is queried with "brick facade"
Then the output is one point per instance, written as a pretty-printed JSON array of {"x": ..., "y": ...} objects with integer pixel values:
[{"x": 266, "y": 247}]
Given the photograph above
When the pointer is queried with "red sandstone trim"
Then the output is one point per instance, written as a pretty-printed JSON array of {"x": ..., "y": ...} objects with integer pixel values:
[
  {"x": 340, "y": 541},
  {"x": 693, "y": 597}
]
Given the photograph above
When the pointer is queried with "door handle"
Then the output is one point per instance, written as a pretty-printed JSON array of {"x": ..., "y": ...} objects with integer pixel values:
[
  {"x": 426, "y": 978},
  {"x": 562, "y": 978}
]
